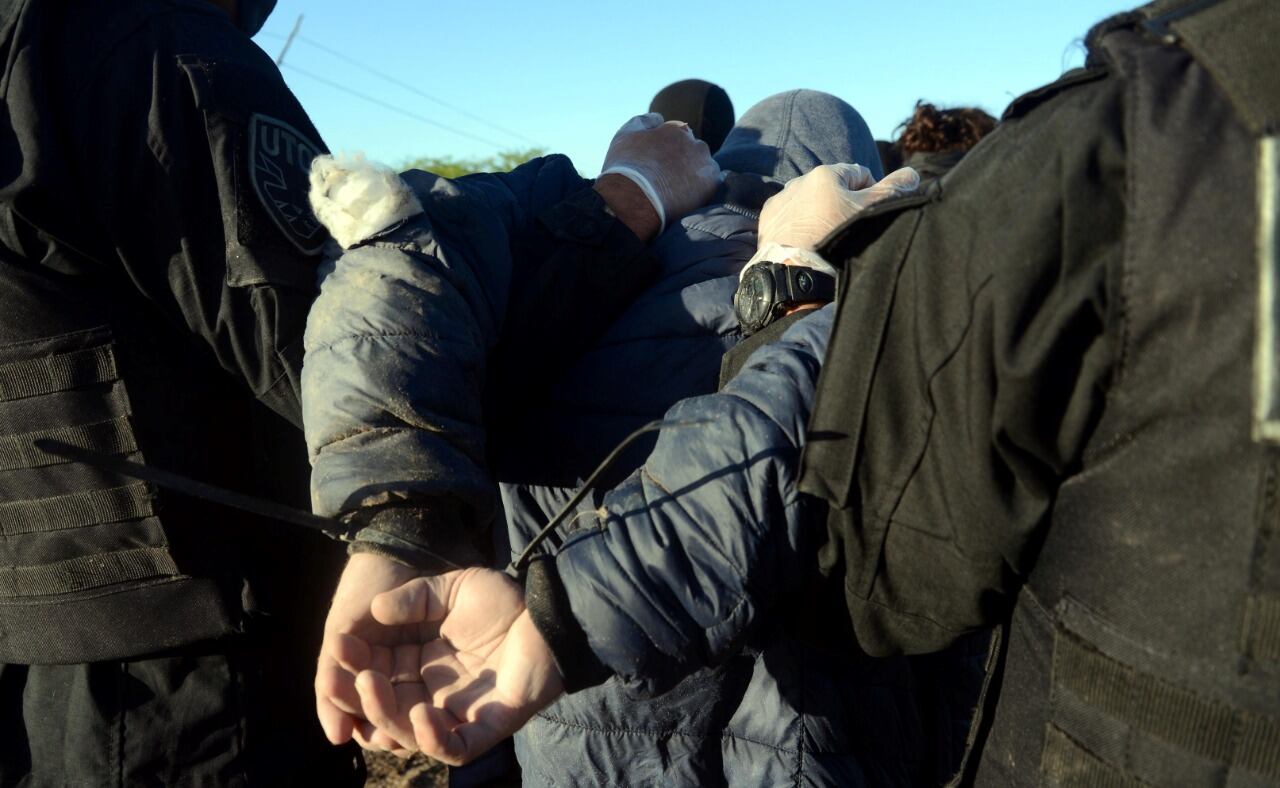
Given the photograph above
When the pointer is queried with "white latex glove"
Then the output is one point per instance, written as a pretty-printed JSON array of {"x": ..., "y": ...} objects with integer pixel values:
[
  {"x": 355, "y": 198},
  {"x": 811, "y": 206},
  {"x": 673, "y": 168},
  {"x": 808, "y": 208}
]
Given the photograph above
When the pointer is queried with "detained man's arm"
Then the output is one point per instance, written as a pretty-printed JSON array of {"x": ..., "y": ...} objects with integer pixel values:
[
  {"x": 690, "y": 553},
  {"x": 451, "y": 288},
  {"x": 399, "y": 348},
  {"x": 698, "y": 546},
  {"x": 398, "y": 345}
]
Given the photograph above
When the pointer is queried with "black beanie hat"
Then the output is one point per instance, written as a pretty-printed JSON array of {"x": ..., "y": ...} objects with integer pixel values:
[{"x": 701, "y": 104}]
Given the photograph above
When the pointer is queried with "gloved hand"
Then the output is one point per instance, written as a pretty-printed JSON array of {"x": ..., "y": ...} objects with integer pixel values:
[
  {"x": 673, "y": 169},
  {"x": 355, "y": 199},
  {"x": 811, "y": 206},
  {"x": 795, "y": 220}
]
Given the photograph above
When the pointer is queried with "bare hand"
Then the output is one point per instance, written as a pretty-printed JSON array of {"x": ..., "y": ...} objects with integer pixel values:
[
  {"x": 355, "y": 642},
  {"x": 483, "y": 666}
]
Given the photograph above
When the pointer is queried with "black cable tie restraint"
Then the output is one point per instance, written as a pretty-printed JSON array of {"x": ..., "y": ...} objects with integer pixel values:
[
  {"x": 334, "y": 529},
  {"x": 517, "y": 567}
]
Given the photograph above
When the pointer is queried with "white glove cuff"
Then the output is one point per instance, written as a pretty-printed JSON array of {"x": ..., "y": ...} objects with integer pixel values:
[
  {"x": 776, "y": 253},
  {"x": 639, "y": 180}
]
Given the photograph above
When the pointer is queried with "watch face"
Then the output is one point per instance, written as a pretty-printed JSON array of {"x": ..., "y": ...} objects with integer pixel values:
[{"x": 753, "y": 302}]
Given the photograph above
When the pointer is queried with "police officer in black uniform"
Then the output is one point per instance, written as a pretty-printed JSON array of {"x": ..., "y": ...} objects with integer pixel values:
[
  {"x": 1050, "y": 403},
  {"x": 157, "y": 261}
]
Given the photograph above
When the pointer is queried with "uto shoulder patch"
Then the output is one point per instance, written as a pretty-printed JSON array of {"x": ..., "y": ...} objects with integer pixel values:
[{"x": 279, "y": 167}]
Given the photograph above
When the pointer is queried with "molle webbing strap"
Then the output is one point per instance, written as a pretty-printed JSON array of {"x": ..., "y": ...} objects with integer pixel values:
[
  {"x": 86, "y": 572},
  {"x": 1235, "y": 41},
  {"x": 1262, "y": 628},
  {"x": 1068, "y": 765},
  {"x": 1266, "y": 361},
  {"x": 736, "y": 358},
  {"x": 75, "y": 510},
  {"x": 1188, "y": 720},
  {"x": 62, "y": 372},
  {"x": 107, "y": 437}
]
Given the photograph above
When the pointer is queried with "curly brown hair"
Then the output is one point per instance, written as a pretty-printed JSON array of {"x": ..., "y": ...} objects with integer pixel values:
[{"x": 933, "y": 130}]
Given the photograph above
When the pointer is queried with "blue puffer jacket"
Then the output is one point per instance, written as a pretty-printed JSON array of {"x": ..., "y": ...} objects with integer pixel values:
[
  {"x": 684, "y": 578},
  {"x": 402, "y": 338},
  {"x": 390, "y": 397}
]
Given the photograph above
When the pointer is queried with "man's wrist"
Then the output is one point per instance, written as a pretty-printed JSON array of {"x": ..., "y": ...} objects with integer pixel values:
[
  {"x": 791, "y": 310},
  {"x": 431, "y": 534},
  {"x": 628, "y": 202},
  {"x": 547, "y": 604}
]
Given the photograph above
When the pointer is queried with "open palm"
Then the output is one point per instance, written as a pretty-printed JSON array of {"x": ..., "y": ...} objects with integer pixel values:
[{"x": 479, "y": 670}]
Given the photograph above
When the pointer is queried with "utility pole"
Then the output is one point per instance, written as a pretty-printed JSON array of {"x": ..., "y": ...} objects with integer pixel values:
[{"x": 289, "y": 41}]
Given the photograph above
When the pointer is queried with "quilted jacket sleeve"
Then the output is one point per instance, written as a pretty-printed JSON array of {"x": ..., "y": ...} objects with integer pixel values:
[
  {"x": 700, "y": 543},
  {"x": 398, "y": 349}
]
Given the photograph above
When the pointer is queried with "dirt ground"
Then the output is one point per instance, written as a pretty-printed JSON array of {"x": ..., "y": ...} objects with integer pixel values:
[{"x": 388, "y": 771}]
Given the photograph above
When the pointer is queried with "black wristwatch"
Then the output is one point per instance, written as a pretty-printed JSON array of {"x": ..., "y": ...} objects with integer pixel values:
[{"x": 767, "y": 290}]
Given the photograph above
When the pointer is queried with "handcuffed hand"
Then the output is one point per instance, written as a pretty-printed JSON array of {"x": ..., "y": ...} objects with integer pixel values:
[
  {"x": 811, "y": 206},
  {"x": 354, "y": 641},
  {"x": 480, "y": 668},
  {"x": 673, "y": 169}
]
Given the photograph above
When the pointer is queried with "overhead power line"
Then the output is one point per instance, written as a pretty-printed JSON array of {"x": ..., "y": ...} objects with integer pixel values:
[
  {"x": 392, "y": 107},
  {"x": 412, "y": 88},
  {"x": 395, "y": 81}
]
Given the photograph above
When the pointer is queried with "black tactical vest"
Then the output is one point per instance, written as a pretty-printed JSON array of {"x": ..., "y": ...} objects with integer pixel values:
[
  {"x": 88, "y": 569},
  {"x": 1145, "y": 647},
  {"x": 96, "y": 566}
]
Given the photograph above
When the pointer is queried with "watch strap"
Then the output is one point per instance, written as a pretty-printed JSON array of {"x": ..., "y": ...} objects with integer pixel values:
[
  {"x": 803, "y": 284},
  {"x": 776, "y": 253}
]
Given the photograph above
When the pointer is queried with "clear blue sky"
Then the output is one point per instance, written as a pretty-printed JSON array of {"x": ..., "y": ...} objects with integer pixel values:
[{"x": 565, "y": 74}]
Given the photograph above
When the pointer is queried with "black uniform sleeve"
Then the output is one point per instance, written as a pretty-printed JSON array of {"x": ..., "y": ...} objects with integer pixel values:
[
  {"x": 968, "y": 366},
  {"x": 194, "y": 159}
]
